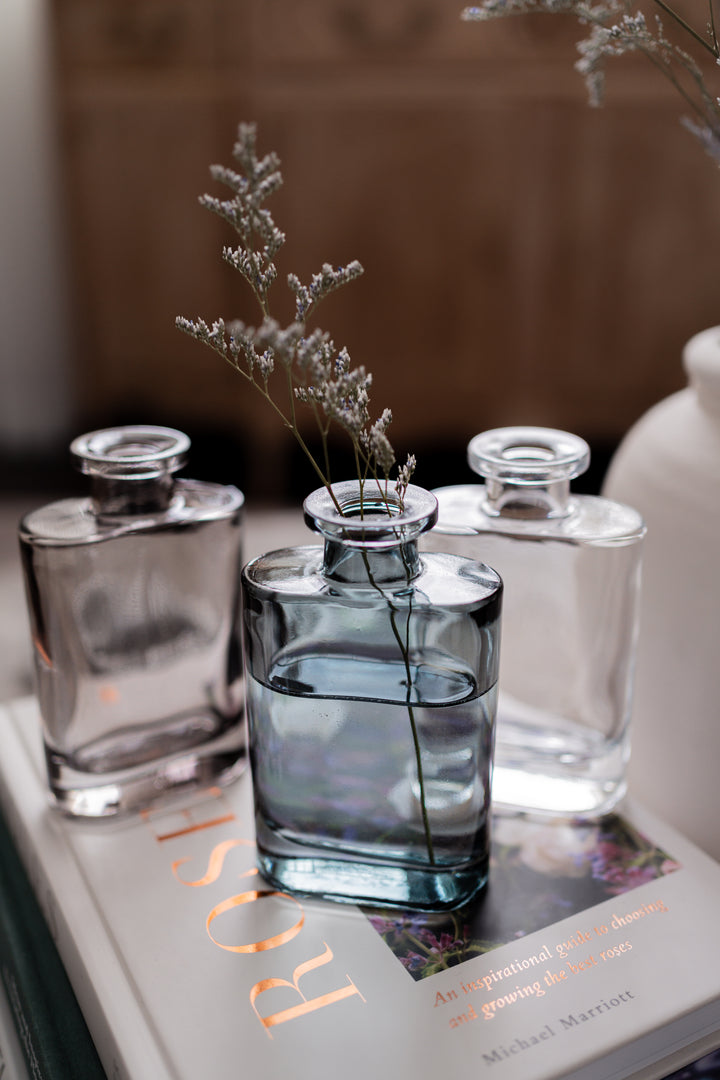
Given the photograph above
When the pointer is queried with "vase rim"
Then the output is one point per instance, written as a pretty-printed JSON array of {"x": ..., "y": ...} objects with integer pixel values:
[
  {"x": 528, "y": 456},
  {"x": 383, "y": 521},
  {"x": 131, "y": 452}
]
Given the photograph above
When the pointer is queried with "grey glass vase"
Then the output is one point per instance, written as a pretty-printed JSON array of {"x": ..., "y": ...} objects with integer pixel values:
[
  {"x": 134, "y": 596},
  {"x": 371, "y": 685}
]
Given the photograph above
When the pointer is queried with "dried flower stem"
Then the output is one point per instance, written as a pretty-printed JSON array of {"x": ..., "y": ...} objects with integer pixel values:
[
  {"x": 616, "y": 31},
  {"x": 316, "y": 374},
  {"x": 689, "y": 29}
]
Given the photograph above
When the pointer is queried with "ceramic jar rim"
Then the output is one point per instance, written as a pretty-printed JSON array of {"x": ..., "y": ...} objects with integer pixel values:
[
  {"x": 701, "y": 360},
  {"x": 376, "y": 528}
]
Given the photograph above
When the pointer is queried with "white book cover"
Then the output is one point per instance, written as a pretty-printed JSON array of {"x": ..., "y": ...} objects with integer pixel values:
[{"x": 595, "y": 952}]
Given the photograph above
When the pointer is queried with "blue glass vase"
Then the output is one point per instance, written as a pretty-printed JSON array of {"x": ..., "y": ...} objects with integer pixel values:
[{"x": 371, "y": 691}]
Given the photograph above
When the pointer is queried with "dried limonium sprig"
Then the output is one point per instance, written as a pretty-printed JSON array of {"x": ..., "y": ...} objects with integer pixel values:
[
  {"x": 616, "y": 29},
  {"x": 312, "y": 372}
]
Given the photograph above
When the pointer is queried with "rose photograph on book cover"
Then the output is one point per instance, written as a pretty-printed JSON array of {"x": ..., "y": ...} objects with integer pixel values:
[{"x": 541, "y": 873}]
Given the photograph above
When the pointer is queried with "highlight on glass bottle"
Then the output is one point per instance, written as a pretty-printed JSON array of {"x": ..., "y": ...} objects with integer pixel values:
[
  {"x": 571, "y": 568},
  {"x": 371, "y": 685},
  {"x": 133, "y": 595}
]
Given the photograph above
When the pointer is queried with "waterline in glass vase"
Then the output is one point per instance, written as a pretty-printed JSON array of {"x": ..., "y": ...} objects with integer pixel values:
[{"x": 371, "y": 705}]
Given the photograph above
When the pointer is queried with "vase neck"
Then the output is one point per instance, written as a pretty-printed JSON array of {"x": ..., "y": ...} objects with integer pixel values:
[
  {"x": 370, "y": 536},
  {"x": 396, "y": 566},
  {"x": 131, "y": 468},
  {"x": 528, "y": 470}
]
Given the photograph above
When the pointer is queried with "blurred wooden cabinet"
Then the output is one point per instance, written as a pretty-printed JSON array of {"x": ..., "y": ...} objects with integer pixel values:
[{"x": 527, "y": 258}]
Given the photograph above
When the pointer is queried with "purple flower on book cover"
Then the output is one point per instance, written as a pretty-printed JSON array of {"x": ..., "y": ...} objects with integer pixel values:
[
  {"x": 555, "y": 849},
  {"x": 542, "y": 872}
]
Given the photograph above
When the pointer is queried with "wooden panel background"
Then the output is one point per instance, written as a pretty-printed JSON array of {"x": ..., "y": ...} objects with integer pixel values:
[{"x": 528, "y": 259}]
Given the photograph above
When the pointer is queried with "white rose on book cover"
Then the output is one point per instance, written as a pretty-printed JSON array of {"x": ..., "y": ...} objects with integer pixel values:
[{"x": 594, "y": 953}]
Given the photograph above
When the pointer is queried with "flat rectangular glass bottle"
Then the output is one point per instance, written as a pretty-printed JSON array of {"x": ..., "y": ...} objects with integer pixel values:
[
  {"x": 133, "y": 596},
  {"x": 571, "y": 568},
  {"x": 371, "y": 679}
]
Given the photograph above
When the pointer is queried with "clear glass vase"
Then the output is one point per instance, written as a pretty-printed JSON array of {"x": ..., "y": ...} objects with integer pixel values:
[
  {"x": 134, "y": 595},
  {"x": 371, "y": 686},
  {"x": 571, "y": 569}
]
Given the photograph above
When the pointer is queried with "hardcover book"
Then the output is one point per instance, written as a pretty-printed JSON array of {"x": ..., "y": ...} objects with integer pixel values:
[
  {"x": 42, "y": 1030},
  {"x": 12, "y": 1061},
  {"x": 594, "y": 952}
]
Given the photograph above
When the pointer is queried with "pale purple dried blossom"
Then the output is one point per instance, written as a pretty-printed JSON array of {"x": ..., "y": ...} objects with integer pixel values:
[
  {"x": 376, "y": 442},
  {"x": 629, "y": 35},
  {"x": 246, "y": 214},
  {"x": 254, "y": 266},
  {"x": 213, "y": 336},
  {"x": 307, "y": 297},
  {"x": 316, "y": 373},
  {"x": 340, "y": 391},
  {"x": 616, "y": 30},
  {"x": 263, "y": 346},
  {"x": 405, "y": 475},
  {"x": 707, "y": 136},
  {"x": 281, "y": 341},
  {"x": 493, "y": 9}
]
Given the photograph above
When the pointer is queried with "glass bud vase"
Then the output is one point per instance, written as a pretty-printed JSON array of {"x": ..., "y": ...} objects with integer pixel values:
[
  {"x": 571, "y": 568},
  {"x": 134, "y": 596},
  {"x": 371, "y": 685}
]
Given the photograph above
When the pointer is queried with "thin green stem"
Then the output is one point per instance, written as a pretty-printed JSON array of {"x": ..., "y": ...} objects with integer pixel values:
[
  {"x": 291, "y": 396},
  {"x": 361, "y": 475},
  {"x": 325, "y": 447},
  {"x": 711, "y": 13},
  {"x": 665, "y": 66},
  {"x": 325, "y": 481},
  {"x": 405, "y": 650},
  {"x": 427, "y": 949},
  {"x": 291, "y": 425},
  {"x": 405, "y": 653},
  {"x": 688, "y": 28},
  {"x": 670, "y": 75}
]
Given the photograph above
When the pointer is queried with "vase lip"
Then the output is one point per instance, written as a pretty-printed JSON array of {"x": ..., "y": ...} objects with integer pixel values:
[
  {"x": 528, "y": 456},
  {"x": 383, "y": 522},
  {"x": 130, "y": 452}
]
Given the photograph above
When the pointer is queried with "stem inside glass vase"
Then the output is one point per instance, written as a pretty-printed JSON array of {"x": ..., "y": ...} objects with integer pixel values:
[
  {"x": 405, "y": 652},
  {"x": 369, "y": 517}
]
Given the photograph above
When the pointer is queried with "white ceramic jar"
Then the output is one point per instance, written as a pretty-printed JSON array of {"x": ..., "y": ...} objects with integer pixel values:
[{"x": 668, "y": 467}]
